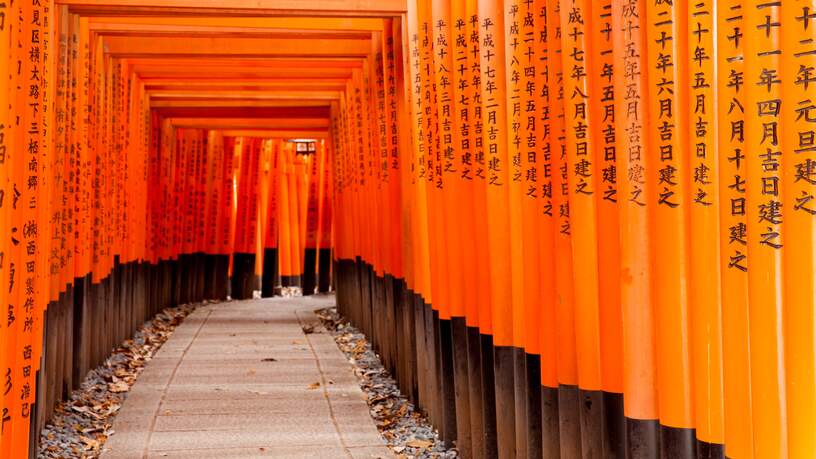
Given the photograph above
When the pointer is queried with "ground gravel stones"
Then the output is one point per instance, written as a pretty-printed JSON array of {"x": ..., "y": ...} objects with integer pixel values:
[
  {"x": 80, "y": 426},
  {"x": 405, "y": 430}
]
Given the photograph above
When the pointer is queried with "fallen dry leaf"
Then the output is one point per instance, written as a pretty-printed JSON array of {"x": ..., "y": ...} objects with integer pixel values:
[
  {"x": 419, "y": 444},
  {"x": 314, "y": 386},
  {"x": 89, "y": 442},
  {"x": 118, "y": 387}
]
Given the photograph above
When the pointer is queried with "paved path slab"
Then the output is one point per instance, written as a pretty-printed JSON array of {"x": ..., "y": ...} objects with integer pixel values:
[{"x": 243, "y": 380}]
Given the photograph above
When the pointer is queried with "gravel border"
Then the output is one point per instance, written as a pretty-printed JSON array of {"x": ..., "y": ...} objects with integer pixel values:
[
  {"x": 406, "y": 431},
  {"x": 80, "y": 426}
]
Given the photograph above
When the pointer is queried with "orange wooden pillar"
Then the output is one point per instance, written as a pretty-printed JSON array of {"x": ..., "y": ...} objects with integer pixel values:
[
  {"x": 577, "y": 24},
  {"x": 312, "y": 216},
  {"x": 417, "y": 243},
  {"x": 736, "y": 355},
  {"x": 496, "y": 135},
  {"x": 6, "y": 196},
  {"x": 668, "y": 121},
  {"x": 325, "y": 218},
  {"x": 296, "y": 215},
  {"x": 243, "y": 277},
  {"x": 764, "y": 211},
  {"x": 529, "y": 125},
  {"x": 271, "y": 202},
  {"x": 214, "y": 199},
  {"x": 545, "y": 102},
  {"x": 14, "y": 214},
  {"x": 635, "y": 208},
  {"x": 285, "y": 217},
  {"x": 430, "y": 225},
  {"x": 567, "y": 372},
  {"x": 235, "y": 149},
  {"x": 302, "y": 184},
  {"x": 799, "y": 182},
  {"x": 705, "y": 299},
  {"x": 480, "y": 337},
  {"x": 226, "y": 205},
  {"x": 446, "y": 223},
  {"x": 413, "y": 204},
  {"x": 605, "y": 136},
  {"x": 519, "y": 54}
]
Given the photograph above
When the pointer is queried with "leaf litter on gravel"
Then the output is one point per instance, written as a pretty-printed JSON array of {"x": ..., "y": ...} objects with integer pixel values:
[
  {"x": 80, "y": 425},
  {"x": 406, "y": 431}
]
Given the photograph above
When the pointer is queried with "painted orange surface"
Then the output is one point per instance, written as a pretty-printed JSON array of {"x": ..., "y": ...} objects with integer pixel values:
[{"x": 625, "y": 188}]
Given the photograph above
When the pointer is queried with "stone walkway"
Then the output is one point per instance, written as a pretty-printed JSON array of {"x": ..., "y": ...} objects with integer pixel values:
[{"x": 243, "y": 379}]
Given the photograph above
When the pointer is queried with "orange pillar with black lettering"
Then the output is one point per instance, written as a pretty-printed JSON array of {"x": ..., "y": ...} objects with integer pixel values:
[
  {"x": 312, "y": 219},
  {"x": 272, "y": 158},
  {"x": 668, "y": 94},
  {"x": 705, "y": 299},
  {"x": 799, "y": 182},
  {"x": 496, "y": 137},
  {"x": 515, "y": 17},
  {"x": 764, "y": 209},
  {"x": 736, "y": 354},
  {"x": 634, "y": 214},
  {"x": 6, "y": 197},
  {"x": 285, "y": 227}
]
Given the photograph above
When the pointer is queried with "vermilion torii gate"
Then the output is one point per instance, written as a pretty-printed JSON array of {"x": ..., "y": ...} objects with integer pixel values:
[{"x": 571, "y": 228}]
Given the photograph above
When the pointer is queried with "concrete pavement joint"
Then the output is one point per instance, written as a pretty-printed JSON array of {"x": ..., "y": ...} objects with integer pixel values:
[
  {"x": 146, "y": 449},
  {"x": 324, "y": 383}
]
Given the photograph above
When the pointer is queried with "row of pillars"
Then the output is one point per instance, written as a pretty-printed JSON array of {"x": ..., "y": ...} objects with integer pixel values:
[
  {"x": 95, "y": 316},
  {"x": 316, "y": 276},
  {"x": 488, "y": 400}
]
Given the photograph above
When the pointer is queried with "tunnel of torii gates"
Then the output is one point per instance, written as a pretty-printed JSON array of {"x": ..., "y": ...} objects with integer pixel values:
[{"x": 571, "y": 228}]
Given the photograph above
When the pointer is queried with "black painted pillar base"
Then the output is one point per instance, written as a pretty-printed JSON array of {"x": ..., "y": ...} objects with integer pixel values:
[
  {"x": 324, "y": 268},
  {"x": 550, "y": 423},
  {"x": 520, "y": 400},
  {"x": 81, "y": 329},
  {"x": 569, "y": 421},
  {"x": 459, "y": 335},
  {"x": 269, "y": 279},
  {"x": 409, "y": 325},
  {"x": 422, "y": 359},
  {"x": 642, "y": 438},
  {"x": 503, "y": 368},
  {"x": 222, "y": 279},
  {"x": 309, "y": 274},
  {"x": 614, "y": 433},
  {"x": 243, "y": 276},
  {"x": 210, "y": 278},
  {"x": 200, "y": 273},
  {"x": 592, "y": 422},
  {"x": 534, "y": 406},
  {"x": 491, "y": 446},
  {"x": 434, "y": 372},
  {"x": 677, "y": 443},
  {"x": 446, "y": 370},
  {"x": 291, "y": 281},
  {"x": 710, "y": 450},
  {"x": 475, "y": 393}
]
